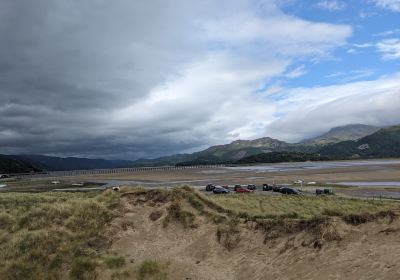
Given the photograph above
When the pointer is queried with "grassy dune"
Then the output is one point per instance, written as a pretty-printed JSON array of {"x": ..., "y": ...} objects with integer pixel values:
[
  {"x": 299, "y": 206},
  {"x": 42, "y": 235},
  {"x": 66, "y": 235}
]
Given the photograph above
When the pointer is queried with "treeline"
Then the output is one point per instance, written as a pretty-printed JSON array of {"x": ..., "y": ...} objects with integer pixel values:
[{"x": 272, "y": 157}]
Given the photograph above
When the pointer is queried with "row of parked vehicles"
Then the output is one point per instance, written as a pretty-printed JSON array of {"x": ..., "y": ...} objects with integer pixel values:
[{"x": 251, "y": 188}]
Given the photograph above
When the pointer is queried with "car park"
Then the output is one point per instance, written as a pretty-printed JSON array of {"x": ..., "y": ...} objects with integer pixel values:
[
  {"x": 210, "y": 187},
  {"x": 220, "y": 190},
  {"x": 251, "y": 187}
]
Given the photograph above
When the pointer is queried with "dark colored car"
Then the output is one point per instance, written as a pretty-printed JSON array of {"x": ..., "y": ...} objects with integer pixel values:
[
  {"x": 210, "y": 187},
  {"x": 225, "y": 187},
  {"x": 267, "y": 187},
  {"x": 324, "y": 191},
  {"x": 287, "y": 190},
  {"x": 240, "y": 189},
  {"x": 4, "y": 176},
  {"x": 276, "y": 188},
  {"x": 251, "y": 187},
  {"x": 220, "y": 190}
]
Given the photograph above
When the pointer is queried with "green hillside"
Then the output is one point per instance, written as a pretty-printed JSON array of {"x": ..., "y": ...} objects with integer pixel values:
[
  {"x": 342, "y": 133},
  {"x": 11, "y": 165},
  {"x": 381, "y": 144}
]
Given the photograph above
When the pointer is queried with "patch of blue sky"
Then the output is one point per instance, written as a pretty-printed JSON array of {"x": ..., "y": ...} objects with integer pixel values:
[{"x": 360, "y": 58}]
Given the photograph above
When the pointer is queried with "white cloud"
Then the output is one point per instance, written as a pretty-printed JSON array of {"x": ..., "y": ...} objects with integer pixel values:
[
  {"x": 344, "y": 77},
  {"x": 331, "y": 5},
  {"x": 310, "y": 111},
  {"x": 297, "y": 72},
  {"x": 389, "y": 48},
  {"x": 388, "y": 33},
  {"x": 279, "y": 33},
  {"x": 393, "y": 5}
]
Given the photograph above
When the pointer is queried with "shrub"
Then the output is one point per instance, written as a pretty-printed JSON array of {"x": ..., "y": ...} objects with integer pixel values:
[
  {"x": 151, "y": 270},
  {"x": 176, "y": 213},
  {"x": 83, "y": 268},
  {"x": 114, "y": 262}
]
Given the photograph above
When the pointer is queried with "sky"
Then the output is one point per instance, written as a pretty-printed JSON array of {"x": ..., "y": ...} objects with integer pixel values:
[{"x": 135, "y": 79}]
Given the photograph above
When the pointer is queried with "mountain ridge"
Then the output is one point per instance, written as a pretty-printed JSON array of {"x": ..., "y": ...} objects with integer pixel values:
[{"x": 238, "y": 151}]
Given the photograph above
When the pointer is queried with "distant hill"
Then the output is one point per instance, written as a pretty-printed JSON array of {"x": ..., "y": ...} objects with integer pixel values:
[
  {"x": 11, "y": 165},
  {"x": 342, "y": 133},
  {"x": 381, "y": 144},
  {"x": 345, "y": 142},
  {"x": 240, "y": 149},
  {"x": 70, "y": 163}
]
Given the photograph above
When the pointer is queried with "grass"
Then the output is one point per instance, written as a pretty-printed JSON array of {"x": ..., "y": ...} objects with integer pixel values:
[
  {"x": 42, "y": 235},
  {"x": 266, "y": 206},
  {"x": 151, "y": 270},
  {"x": 115, "y": 262}
]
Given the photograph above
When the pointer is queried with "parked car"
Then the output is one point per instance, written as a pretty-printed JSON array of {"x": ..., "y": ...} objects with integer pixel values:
[
  {"x": 298, "y": 182},
  {"x": 267, "y": 187},
  {"x": 4, "y": 176},
  {"x": 220, "y": 190},
  {"x": 225, "y": 187},
  {"x": 251, "y": 187},
  {"x": 324, "y": 191},
  {"x": 210, "y": 187},
  {"x": 328, "y": 191},
  {"x": 287, "y": 190},
  {"x": 276, "y": 188},
  {"x": 240, "y": 189}
]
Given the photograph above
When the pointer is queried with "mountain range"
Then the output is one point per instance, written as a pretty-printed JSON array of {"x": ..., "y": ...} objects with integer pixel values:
[{"x": 344, "y": 142}]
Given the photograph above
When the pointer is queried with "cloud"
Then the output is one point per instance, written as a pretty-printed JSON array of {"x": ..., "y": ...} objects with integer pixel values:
[
  {"x": 344, "y": 77},
  {"x": 297, "y": 72},
  {"x": 388, "y": 33},
  {"x": 308, "y": 112},
  {"x": 145, "y": 78},
  {"x": 389, "y": 48},
  {"x": 331, "y": 5},
  {"x": 393, "y": 5}
]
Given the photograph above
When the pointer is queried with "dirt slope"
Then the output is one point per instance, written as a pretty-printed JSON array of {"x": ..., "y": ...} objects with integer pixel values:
[{"x": 204, "y": 249}]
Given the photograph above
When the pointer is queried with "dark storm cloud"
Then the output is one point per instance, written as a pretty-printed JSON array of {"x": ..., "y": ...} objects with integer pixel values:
[
  {"x": 65, "y": 65},
  {"x": 129, "y": 79}
]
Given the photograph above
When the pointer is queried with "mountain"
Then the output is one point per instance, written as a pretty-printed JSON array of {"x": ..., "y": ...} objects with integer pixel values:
[
  {"x": 240, "y": 149},
  {"x": 70, "y": 163},
  {"x": 12, "y": 165},
  {"x": 342, "y": 133},
  {"x": 381, "y": 144}
]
